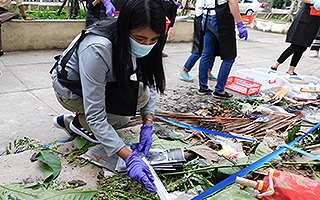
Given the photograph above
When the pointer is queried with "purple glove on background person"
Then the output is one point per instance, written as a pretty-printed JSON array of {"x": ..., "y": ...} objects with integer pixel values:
[
  {"x": 145, "y": 142},
  {"x": 176, "y": 2},
  {"x": 109, "y": 8},
  {"x": 243, "y": 33},
  {"x": 139, "y": 171}
]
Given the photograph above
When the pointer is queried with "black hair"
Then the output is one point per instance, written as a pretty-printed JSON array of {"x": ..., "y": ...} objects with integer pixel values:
[{"x": 139, "y": 14}]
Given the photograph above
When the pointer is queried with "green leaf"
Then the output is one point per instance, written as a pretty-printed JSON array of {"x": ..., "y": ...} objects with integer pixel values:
[
  {"x": 263, "y": 150},
  {"x": 51, "y": 165},
  {"x": 232, "y": 170},
  {"x": 67, "y": 194},
  {"x": 234, "y": 192},
  {"x": 37, "y": 191},
  {"x": 19, "y": 191},
  {"x": 79, "y": 142},
  {"x": 167, "y": 144}
]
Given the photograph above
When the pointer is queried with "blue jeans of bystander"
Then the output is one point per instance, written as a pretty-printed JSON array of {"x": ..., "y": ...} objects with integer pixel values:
[
  {"x": 207, "y": 58},
  {"x": 191, "y": 61}
]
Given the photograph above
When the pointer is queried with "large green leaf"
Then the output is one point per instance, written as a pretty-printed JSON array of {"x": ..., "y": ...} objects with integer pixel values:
[
  {"x": 232, "y": 170},
  {"x": 51, "y": 165},
  {"x": 37, "y": 191},
  {"x": 158, "y": 143},
  {"x": 67, "y": 194},
  {"x": 234, "y": 192},
  {"x": 79, "y": 142},
  {"x": 20, "y": 191},
  {"x": 263, "y": 150}
]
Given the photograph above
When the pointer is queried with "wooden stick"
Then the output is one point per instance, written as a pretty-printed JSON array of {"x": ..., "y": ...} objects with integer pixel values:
[{"x": 246, "y": 182}]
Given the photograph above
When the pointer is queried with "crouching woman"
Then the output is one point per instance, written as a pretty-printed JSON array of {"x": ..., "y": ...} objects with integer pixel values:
[{"x": 94, "y": 78}]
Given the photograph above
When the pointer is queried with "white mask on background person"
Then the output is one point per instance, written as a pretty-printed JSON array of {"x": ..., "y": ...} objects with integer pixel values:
[{"x": 140, "y": 50}]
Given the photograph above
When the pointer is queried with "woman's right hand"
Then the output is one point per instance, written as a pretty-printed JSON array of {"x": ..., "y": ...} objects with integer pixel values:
[{"x": 139, "y": 171}]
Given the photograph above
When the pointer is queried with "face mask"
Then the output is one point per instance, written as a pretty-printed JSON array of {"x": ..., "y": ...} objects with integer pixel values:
[{"x": 140, "y": 50}]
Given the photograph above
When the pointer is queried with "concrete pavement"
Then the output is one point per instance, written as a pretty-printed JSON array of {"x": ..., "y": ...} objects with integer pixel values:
[{"x": 27, "y": 102}]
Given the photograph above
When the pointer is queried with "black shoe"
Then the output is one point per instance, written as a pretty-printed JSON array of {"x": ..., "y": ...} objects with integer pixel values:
[
  {"x": 76, "y": 127},
  {"x": 58, "y": 122},
  {"x": 164, "y": 55},
  {"x": 272, "y": 70},
  {"x": 204, "y": 91},
  {"x": 226, "y": 95},
  {"x": 293, "y": 74},
  {"x": 1, "y": 52}
]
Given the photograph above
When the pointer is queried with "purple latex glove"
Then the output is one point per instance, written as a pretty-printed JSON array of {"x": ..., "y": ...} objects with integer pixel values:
[
  {"x": 243, "y": 33},
  {"x": 139, "y": 171},
  {"x": 109, "y": 8},
  {"x": 145, "y": 139},
  {"x": 176, "y": 2}
]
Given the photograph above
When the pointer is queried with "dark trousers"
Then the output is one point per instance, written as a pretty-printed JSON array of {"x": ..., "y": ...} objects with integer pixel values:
[
  {"x": 6, "y": 15},
  {"x": 297, "y": 52},
  {"x": 170, "y": 10}
]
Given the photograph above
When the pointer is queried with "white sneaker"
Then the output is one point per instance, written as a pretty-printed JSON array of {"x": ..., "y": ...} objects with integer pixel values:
[{"x": 314, "y": 55}]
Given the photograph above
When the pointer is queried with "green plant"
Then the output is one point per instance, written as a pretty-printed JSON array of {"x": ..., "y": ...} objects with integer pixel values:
[
  {"x": 51, "y": 14},
  {"x": 120, "y": 187},
  {"x": 20, "y": 145}
]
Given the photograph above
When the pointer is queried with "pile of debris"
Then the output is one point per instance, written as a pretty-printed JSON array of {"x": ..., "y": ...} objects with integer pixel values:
[{"x": 221, "y": 141}]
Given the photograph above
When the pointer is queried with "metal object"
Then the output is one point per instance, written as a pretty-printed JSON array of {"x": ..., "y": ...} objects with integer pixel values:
[{"x": 161, "y": 190}]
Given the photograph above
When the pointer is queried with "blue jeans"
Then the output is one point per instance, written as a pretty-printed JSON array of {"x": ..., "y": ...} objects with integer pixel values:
[
  {"x": 191, "y": 61},
  {"x": 193, "y": 58},
  {"x": 211, "y": 38}
]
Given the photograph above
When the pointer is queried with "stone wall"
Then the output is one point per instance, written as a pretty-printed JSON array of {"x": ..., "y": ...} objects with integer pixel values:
[
  {"x": 20, "y": 35},
  {"x": 271, "y": 26}
]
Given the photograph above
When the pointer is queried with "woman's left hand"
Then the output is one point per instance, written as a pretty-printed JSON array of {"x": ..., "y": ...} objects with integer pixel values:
[{"x": 145, "y": 142}]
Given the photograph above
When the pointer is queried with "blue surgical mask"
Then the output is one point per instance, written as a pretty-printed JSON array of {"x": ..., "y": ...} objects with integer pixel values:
[{"x": 140, "y": 50}]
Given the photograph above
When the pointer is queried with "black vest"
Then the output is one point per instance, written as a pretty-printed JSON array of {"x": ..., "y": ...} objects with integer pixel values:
[{"x": 116, "y": 102}]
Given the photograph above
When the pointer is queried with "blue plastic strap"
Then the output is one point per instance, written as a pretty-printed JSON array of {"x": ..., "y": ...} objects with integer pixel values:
[
  {"x": 253, "y": 166},
  {"x": 257, "y": 95},
  {"x": 297, "y": 150},
  {"x": 232, "y": 136},
  {"x": 62, "y": 141},
  {"x": 205, "y": 130}
]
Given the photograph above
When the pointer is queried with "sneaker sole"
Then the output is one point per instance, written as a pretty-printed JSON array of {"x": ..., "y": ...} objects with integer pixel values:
[
  {"x": 201, "y": 93},
  {"x": 219, "y": 97},
  {"x": 77, "y": 131},
  {"x": 55, "y": 123}
]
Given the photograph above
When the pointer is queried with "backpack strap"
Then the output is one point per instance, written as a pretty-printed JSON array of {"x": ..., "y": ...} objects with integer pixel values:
[{"x": 63, "y": 74}]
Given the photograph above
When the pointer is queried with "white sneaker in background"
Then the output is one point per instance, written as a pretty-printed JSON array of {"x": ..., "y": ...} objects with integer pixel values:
[{"x": 314, "y": 55}]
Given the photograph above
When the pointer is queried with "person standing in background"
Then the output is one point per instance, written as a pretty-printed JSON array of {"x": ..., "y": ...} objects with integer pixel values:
[
  {"x": 6, "y": 15},
  {"x": 300, "y": 34},
  {"x": 315, "y": 46},
  {"x": 170, "y": 8},
  {"x": 101, "y": 9},
  {"x": 197, "y": 47},
  {"x": 219, "y": 40}
]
